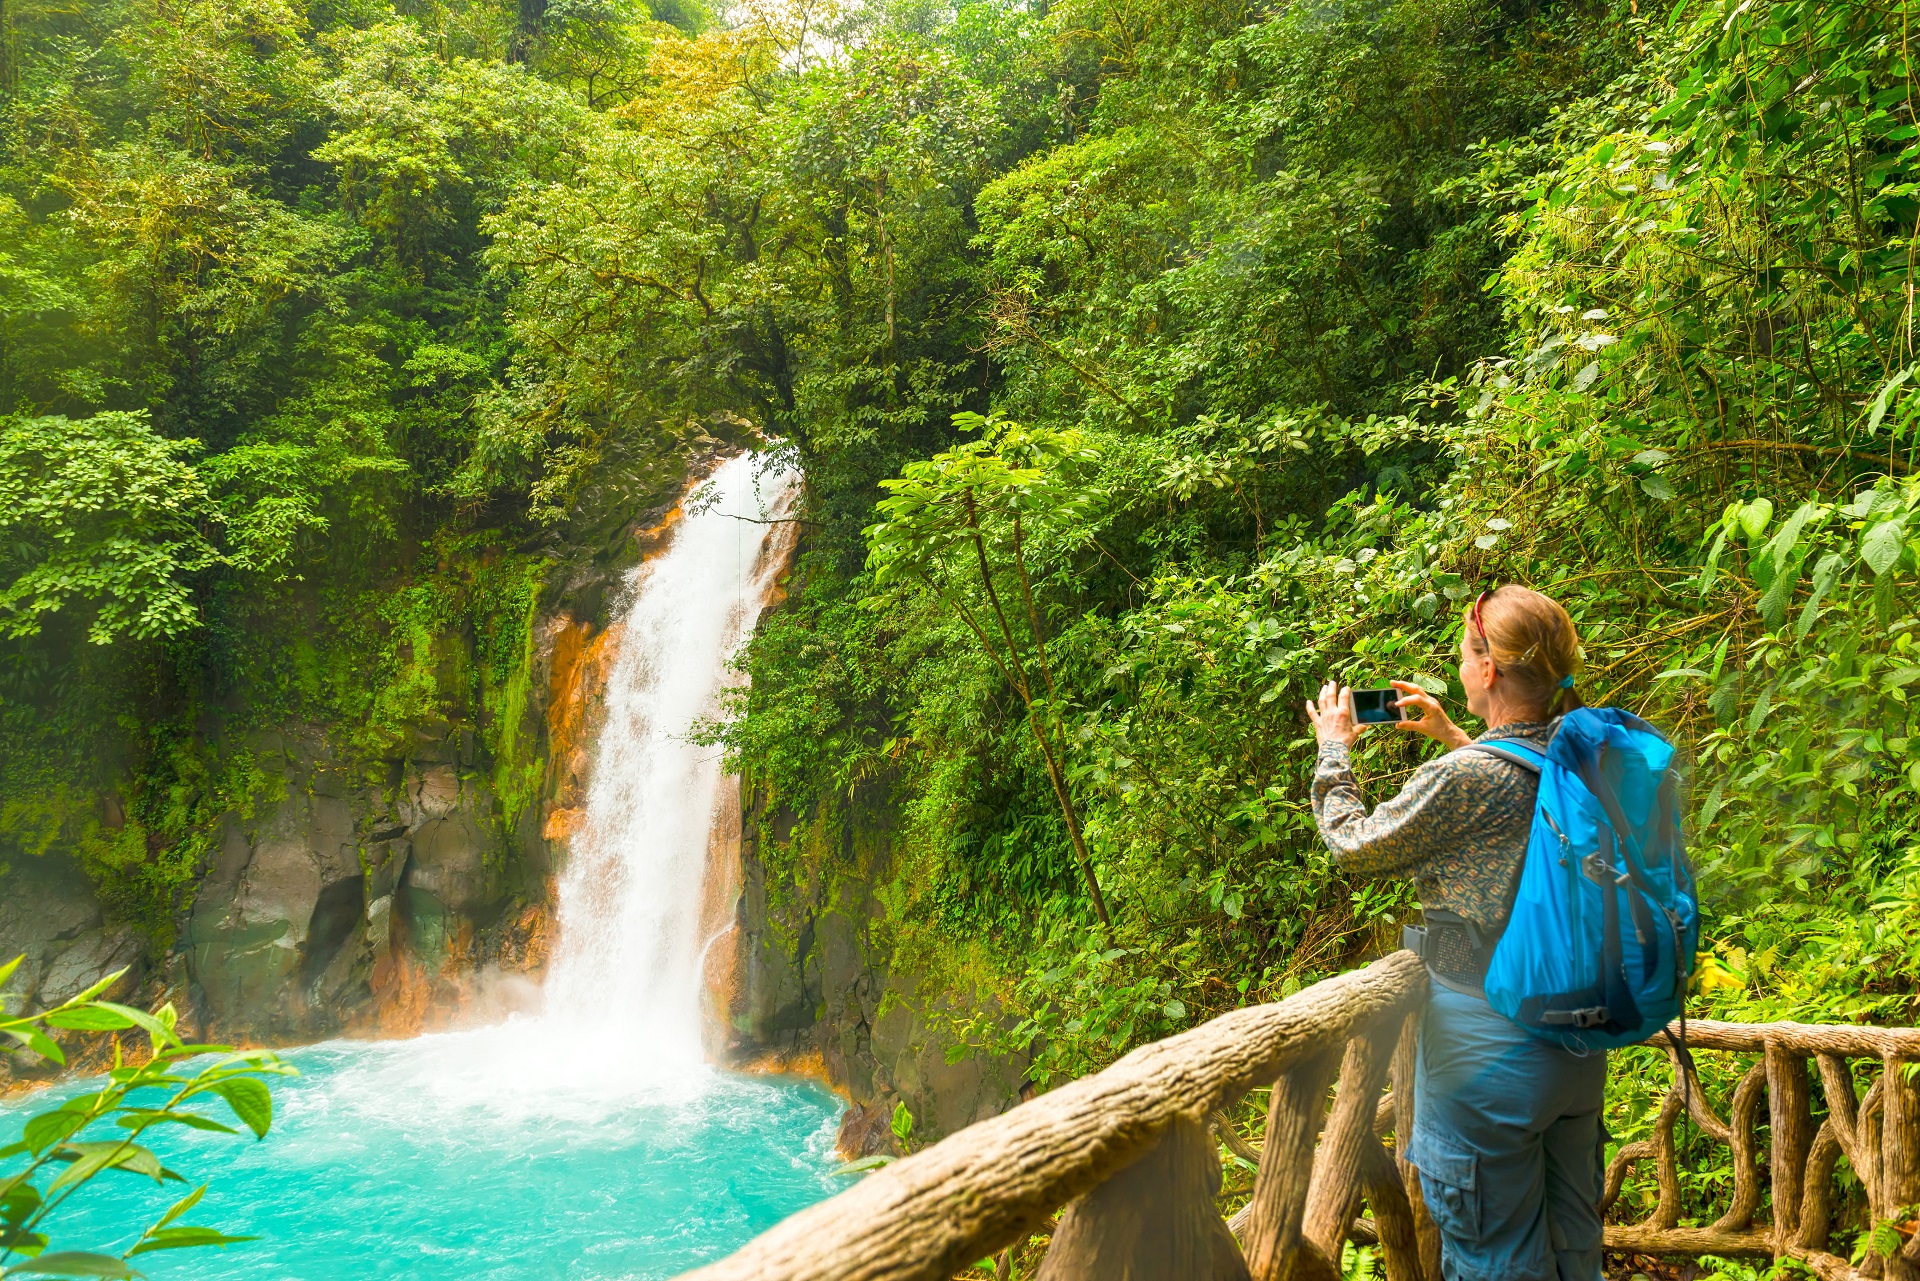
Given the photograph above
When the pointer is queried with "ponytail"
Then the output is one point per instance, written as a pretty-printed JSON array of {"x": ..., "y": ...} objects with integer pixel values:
[{"x": 1566, "y": 698}]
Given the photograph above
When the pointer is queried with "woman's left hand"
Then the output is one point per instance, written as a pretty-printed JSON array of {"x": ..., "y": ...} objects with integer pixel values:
[
  {"x": 1332, "y": 714},
  {"x": 1421, "y": 712}
]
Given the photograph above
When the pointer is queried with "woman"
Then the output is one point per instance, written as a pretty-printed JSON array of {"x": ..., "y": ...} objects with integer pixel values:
[{"x": 1507, "y": 1133}]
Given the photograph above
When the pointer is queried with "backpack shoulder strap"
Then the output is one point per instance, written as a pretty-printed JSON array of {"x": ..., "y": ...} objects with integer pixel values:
[{"x": 1512, "y": 752}]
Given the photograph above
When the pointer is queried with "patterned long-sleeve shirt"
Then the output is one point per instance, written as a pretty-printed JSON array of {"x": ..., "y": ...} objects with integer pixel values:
[{"x": 1458, "y": 829}]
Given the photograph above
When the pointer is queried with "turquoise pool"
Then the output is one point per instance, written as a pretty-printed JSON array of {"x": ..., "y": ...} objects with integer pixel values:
[{"x": 483, "y": 1155}]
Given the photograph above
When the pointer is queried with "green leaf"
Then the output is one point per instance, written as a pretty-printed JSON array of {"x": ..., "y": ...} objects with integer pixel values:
[
  {"x": 1788, "y": 538},
  {"x": 1823, "y": 577},
  {"x": 1657, "y": 486},
  {"x": 87, "y": 1160},
  {"x": 864, "y": 1164},
  {"x": 1724, "y": 702},
  {"x": 1885, "y": 398},
  {"x": 158, "y": 1026},
  {"x": 183, "y": 1238},
  {"x": 146, "y": 1118},
  {"x": 902, "y": 1123},
  {"x": 1882, "y": 545},
  {"x": 88, "y": 1018},
  {"x": 48, "y": 1128},
  {"x": 1712, "y": 804},
  {"x": 1773, "y": 604},
  {"x": 250, "y": 1101},
  {"x": 6, "y": 971},
  {"x": 1712, "y": 567},
  {"x": 99, "y": 985},
  {"x": 73, "y": 1263},
  {"x": 1754, "y": 518},
  {"x": 116, "y": 1154},
  {"x": 40, "y": 1043},
  {"x": 181, "y": 1206}
]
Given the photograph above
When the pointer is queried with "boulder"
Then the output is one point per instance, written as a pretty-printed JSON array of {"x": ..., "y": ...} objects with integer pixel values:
[{"x": 52, "y": 919}]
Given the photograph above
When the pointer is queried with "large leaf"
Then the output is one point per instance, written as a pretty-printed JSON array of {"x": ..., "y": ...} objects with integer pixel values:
[
  {"x": 184, "y": 1237},
  {"x": 39, "y": 1042},
  {"x": 158, "y": 1026},
  {"x": 1885, "y": 398},
  {"x": 1824, "y": 575},
  {"x": 181, "y": 1206},
  {"x": 73, "y": 1263},
  {"x": 88, "y": 1159},
  {"x": 88, "y": 1018},
  {"x": 249, "y": 1100},
  {"x": 1880, "y": 548},
  {"x": 1712, "y": 567},
  {"x": 146, "y": 1118},
  {"x": 19, "y": 1200},
  {"x": 48, "y": 1128}
]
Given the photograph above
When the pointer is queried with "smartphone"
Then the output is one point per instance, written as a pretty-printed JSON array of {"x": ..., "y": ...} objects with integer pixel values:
[{"x": 1377, "y": 706}]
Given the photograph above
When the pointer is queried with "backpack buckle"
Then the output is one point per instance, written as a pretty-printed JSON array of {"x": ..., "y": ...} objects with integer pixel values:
[
  {"x": 1591, "y": 1016},
  {"x": 1598, "y": 868}
]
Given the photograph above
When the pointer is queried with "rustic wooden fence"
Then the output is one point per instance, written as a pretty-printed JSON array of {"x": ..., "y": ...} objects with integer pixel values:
[
  {"x": 1878, "y": 1133},
  {"x": 1128, "y": 1154}
]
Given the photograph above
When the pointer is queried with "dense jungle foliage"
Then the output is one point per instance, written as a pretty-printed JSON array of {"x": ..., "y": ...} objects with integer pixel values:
[{"x": 1148, "y": 360}]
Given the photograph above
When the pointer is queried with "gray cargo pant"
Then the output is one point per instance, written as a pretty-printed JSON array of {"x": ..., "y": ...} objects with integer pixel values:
[{"x": 1508, "y": 1139}]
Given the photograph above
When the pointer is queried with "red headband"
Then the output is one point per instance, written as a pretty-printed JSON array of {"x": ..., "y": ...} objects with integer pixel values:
[{"x": 1481, "y": 627}]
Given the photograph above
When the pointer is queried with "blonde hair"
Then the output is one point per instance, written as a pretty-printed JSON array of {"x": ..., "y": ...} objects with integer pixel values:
[{"x": 1532, "y": 642}]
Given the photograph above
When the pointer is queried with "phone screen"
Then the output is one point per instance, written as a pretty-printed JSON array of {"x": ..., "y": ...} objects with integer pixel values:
[{"x": 1376, "y": 706}]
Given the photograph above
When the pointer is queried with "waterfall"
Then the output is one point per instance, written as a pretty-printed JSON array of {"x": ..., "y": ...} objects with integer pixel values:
[
  {"x": 630, "y": 898},
  {"x": 591, "y": 1140}
]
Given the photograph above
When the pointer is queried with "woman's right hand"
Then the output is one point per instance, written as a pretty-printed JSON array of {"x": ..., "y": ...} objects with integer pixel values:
[{"x": 1432, "y": 719}]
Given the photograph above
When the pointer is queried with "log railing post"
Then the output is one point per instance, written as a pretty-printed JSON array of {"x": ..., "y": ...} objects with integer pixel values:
[
  {"x": 1386, "y": 1194},
  {"x": 1335, "y": 1193},
  {"x": 1838, "y": 1135},
  {"x": 1742, "y": 1120},
  {"x": 1294, "y": 1116},
  {"x": 1791, "y": 1120},
  {"x": 1899, "y": 1157},
  {"x": 1153, "y": 1221},
  {"x": 1406, "y": 1066}
]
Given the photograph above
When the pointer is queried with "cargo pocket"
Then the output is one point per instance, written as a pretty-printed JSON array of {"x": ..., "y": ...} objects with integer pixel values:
[{"x": 1450, "y": 1181}]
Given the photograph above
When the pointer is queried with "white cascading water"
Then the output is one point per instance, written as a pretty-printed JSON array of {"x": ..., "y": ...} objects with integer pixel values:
[
  {"x": 621, "y": 1021},
  {"x": 628, "y": 962}
]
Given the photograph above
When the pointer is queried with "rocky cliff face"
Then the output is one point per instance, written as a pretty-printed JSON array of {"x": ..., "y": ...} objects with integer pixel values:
[
  {"x": 348, "y": 904},
  {"x": 50, "y": 917},
  {"x": 354, "y": 895},
  {"x": 816, "y": 986}
]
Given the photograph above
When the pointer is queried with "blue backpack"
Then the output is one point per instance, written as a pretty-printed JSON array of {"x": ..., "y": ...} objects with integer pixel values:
[{"x": 1601, "y": 940}]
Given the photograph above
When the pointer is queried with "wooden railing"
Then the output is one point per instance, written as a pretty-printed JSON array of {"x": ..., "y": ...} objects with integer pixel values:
[
  {"x": 1878, "y": 1133},
  {"x": 1128, "y": 1154}
]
